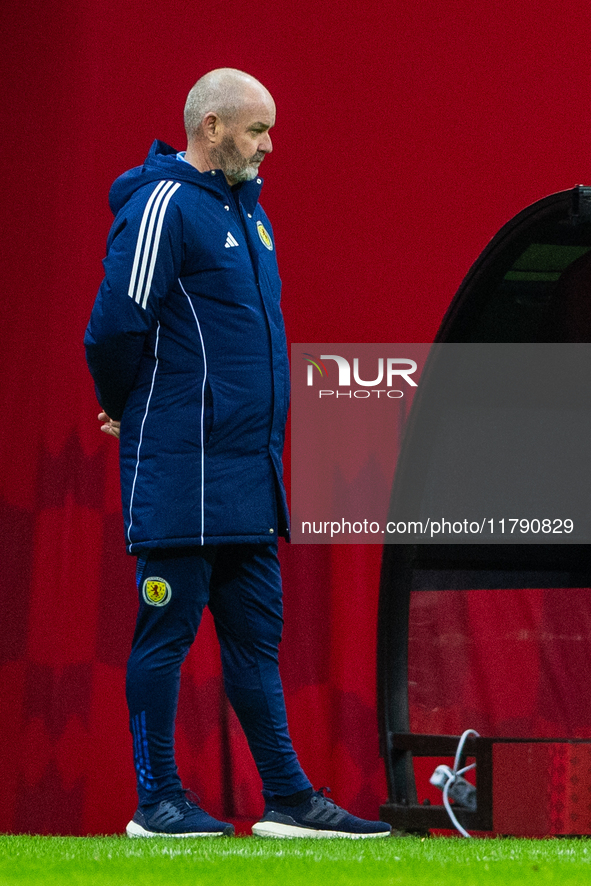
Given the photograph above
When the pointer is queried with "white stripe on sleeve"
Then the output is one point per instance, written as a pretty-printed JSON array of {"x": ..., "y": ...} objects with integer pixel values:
[
  {"x": 146, "y": 249},
  {"x": 161, "y": 215}
]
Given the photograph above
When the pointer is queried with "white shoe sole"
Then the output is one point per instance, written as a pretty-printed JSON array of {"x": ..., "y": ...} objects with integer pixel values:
[
  {"x": 275, "y": 829},
  {"x": 136, "y": 830}
]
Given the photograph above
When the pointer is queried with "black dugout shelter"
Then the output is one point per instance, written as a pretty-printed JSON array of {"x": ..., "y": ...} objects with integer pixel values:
[{"x": 531, "y": 284}]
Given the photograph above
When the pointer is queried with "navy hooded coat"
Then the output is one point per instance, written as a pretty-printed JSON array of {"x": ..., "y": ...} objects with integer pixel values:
[{"x": 186, "y": 346}]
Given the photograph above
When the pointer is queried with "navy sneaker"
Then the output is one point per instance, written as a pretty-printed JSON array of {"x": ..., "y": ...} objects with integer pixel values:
[
  {"x": 316, "y": 817},
  {"x": 176, "y": 817}
]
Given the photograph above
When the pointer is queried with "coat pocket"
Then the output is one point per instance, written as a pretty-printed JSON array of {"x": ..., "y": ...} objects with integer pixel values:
[{"x": 208, "y": 412}]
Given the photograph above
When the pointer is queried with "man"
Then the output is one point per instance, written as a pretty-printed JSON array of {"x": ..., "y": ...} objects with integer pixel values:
[{"x": 187, "y": 349}]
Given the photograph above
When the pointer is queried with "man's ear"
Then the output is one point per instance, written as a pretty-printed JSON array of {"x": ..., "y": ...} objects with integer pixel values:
[{"x": 211, "y": 125}]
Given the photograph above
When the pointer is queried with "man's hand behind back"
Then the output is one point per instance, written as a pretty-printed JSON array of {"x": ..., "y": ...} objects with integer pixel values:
[{"x": 109, "y": 426}]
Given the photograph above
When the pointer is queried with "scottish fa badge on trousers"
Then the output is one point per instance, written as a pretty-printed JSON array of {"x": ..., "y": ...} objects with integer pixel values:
[{"x": 156, "y": 592}]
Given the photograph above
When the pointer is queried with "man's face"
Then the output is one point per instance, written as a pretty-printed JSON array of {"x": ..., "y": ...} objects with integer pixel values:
[{"x": 244, "y": 141}]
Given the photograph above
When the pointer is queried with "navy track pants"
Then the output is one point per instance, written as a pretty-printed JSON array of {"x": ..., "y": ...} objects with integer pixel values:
[{"x": 241, "y": 584}]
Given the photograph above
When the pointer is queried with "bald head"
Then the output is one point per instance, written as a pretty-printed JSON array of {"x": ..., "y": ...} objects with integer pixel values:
[
  {"x": 228, "y": 116},
  {"x": 225, "y": 92}
]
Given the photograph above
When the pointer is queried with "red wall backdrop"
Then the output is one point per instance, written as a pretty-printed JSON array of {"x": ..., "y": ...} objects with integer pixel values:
[{"x": 407, "y": 134}]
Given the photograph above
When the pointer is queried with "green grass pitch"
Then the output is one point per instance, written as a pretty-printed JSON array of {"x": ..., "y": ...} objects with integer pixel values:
[{"x": 248, "y": 861}]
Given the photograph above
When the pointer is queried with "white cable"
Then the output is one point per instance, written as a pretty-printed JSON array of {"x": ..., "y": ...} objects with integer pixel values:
[
  {"x": 453, "y": 774},
  {"x": 449, "y": 810},
  {"x": 461, "y": 744}
]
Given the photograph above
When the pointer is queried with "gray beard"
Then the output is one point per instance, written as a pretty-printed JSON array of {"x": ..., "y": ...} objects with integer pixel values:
[
  {"x": 241, "y": 174},
  {"x": 229, "y": 159}
]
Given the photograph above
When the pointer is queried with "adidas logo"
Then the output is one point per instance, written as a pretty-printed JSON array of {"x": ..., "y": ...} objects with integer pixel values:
[{"x": 231, "y": 241}]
